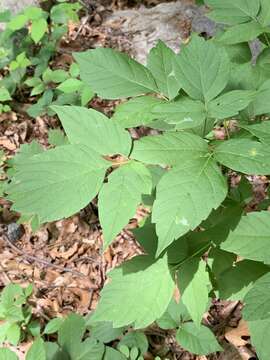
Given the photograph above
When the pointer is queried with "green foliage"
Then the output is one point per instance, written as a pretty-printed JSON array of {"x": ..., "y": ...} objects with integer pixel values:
[
  {"x": 15, "y": 313},
  {"x": 199, "y": 341},
  {"x": 38, "y": 33},
  {"x": 200, "y": 234}
]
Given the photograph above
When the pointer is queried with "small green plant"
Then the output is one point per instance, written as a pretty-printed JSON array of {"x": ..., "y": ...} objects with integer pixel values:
[
  {"x": 200, "y": 235},
  {"x": 27, "y": 46},
  {"x": 78, "y": 338},
  {"x": 16, "y": 314}
]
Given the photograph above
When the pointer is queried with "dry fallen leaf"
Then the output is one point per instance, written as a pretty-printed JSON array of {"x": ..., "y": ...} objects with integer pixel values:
[{"x": 235, "y": 335}]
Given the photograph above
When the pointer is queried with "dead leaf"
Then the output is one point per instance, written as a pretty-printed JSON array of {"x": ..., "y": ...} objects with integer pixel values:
[{"x": 235, "y": 335}]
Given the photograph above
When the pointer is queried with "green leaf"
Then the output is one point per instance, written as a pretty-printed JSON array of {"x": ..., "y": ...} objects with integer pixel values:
[
  {"x": 56, "y": 137},
  {"x": 33, "y": 12},
  {"x": 185, "y": 196},
  {"x": 34, "y": 328},
  {"x": 238, "y": 53},
  {"x": 251, "y": 237},
  {"x": 260, "y": 130},
  {"x": 114, "y": 75},
  {"x": 56, "y": 76},
  {"x": 74, "y": 70},
  {"x": 261, "y": 105},
  {"x": 112, "y": 354},
  {"x": 220, "y": 261},
  {"x": 136, "y": 112},
  {"x": 93, "y": 129},
  {"x": 230, "y": 104},
  {"x": 199, "y": 341},
  {"x": 4, "y": 94},
  {"x": 86, "y": 95},
  {"x": 193, "y": 279},
  {"x": 53, "y": 325},
  {"x": 38, "y": 29},
  {"x": 17, "y": 22},
  {"x": 135, "y": 339},
  {"x": 40, "y": 88},
  {"x": 89, "y": 349},
  {"x": 70, "y": 85},
  {"x": 36, "y": 351},
  {"x": 257, "y": 300},
  {"x": 136, "y": 297},
  {"x": 244, "y": 155},
  {"x": 233, "y": 12},
  {"x": 57, "y": 183},
  {"x": 169, "y": 149},
  {"x": 70, "y": 334},
  {"x": 260, "y": 334},
  {"x": 173, "y": 316},
  {"x": 53, "y": 351},
  {"x": 185, "y": 113},
  {"x": 235, "y": 282},
  {"x": 103, "y": 330},
  {"x": 160, "y": 63},
  {"x": 120, "y": 197},
  {"x": 6, "y": 354},
  {"x": 242, "y": 33},
  {"x": 13, "y": 334},
  {"x": 264, "y": 15},
  {"x": 199, "y": 80}
]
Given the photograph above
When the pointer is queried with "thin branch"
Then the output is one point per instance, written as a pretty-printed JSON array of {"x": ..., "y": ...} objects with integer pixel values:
[{"x": 41, "y": 261}]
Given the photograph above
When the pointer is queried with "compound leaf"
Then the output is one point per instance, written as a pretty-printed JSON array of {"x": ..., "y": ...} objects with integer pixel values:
[
  {"x": 193, "y": 279},
  {"x": 260, "y": 105},
  {"x": 36, "y": 351},
  {"x": 260, "y": 334},
  {"x": 185, "y": 113},
  {"x": 120, "y": 196},
  {"x": 244, "y": 155},
  {"x": 136, "y": 112},
  {"x": 169, "y": 149},
  {"x": 230, "y": 104},
  {"x": 199, "y": 341},
  {"x": 235, "y": 282},
  {"x": 6, "y": 354},
  {"x": 199, "y": 80},
  {"x": 113, "y": 75},
  {"x": 57, "y": 183},
  {"x": 160, "y": 63},
  {"x": 264, "y": 15},
  {"x": 136, "y": 297},
  {"x": 93, "y": 129},
  {"x": 38, "y": 29},
  {"x": 233, "y": 12},
  {"x": 185, "y": 196},
  {"x": 257, "y": 300},
  {"x": 261, "y": 131},
  {"x": 251, "y": 237},
  {"x": 241, "y": 33}
]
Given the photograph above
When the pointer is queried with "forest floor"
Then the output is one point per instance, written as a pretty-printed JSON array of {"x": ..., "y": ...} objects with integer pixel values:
[{"x": 63, "y": 259}]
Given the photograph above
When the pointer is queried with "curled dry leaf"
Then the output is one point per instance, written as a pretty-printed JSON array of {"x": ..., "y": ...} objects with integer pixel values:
[{"x": 237, "y": 336}]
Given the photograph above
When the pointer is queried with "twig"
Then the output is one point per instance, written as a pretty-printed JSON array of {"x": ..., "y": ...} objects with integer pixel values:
[
  {"x": 8, "y": 279},
  {"x": 84, "y": 21},
  {"x": 41, "y": 261}
]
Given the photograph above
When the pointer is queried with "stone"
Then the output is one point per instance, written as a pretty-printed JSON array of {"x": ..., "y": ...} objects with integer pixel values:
[
  {"x": 170, "y": 22},
  {"x": 16, "y": 6},
  {"x": 14, "y": 232}
]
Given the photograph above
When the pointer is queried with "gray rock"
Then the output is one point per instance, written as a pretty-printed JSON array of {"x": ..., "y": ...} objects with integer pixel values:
[
  {"x": 169, "y": 22},
  {"x": 16, "y": 6},
  {"x": 202, "y": 24},
  {"x": 14, "y": 232}
]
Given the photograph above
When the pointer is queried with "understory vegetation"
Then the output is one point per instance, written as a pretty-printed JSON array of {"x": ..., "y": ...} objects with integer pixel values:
[{"x": 201, "y": 236}]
